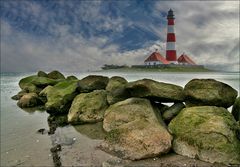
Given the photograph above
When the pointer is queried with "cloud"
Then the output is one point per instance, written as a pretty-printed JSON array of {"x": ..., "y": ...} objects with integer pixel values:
[{"x": 48, "y": 35}]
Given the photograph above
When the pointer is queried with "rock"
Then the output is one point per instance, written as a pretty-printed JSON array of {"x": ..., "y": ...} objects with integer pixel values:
[
  {"x": 19, "y": 95},
  {"x": 134, "y": 130},
  {"x": 72, "y": 78},
  {"x": 41, "y": 74},
  {"x": 88, "y": 107},
  {"x": 60, "y": 96},
  {"x": 236, "y": 109},
  {"x": 92, "y": 82},
  {"x": 55, "y": 75},
  {"x": 42, "y": 82},
  {"x": 207, "y": 133},
  {"x": 26, "y": 84},
  {"x": 44, "y": 92},
  {"x": 35, "y": 84},
  {"x": 209, "y": 92},
  {"x": 116, "y": 89},
  {"x": 171, "y": 112},
  {"x": 29, "y": 100},
  {"x": 156, "y": 91}
]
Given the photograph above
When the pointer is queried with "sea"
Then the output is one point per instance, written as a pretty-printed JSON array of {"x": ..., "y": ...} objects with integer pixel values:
[{"x": 22, "y": 145}]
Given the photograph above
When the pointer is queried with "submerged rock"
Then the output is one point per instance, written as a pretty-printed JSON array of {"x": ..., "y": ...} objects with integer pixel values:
[
  {"x": 134, "y": 130},
  {"x": 60, "y": 96},
  {"x": 88, "y": 107},
  {"x": 202, "y": 92},
  {"x": 157, "y": 91},
  {"x": 207, "y": 133},
  {"x": 55, "y": 75},
  {"x": 172, "y": 111},
  {"x": 116, "y": 89},
  {"x": 29, "y": 100},
  {"x": 236, "y": 109},
  {"x": 92, "y": 82}
]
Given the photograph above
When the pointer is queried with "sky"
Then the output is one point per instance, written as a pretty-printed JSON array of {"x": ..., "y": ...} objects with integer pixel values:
[{"x": 75, "y": 35}]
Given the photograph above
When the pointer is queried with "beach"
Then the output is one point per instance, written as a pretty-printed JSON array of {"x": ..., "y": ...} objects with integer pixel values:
[{"x": 23, "y": 145}]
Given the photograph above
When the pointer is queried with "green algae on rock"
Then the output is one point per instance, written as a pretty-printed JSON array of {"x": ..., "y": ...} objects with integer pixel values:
[
  {"x": 236, "y": 109},
  {"x": 134, "y": 130},
  {"x": 60, "y": 96},
  {"x": 88, "y": 107},
  {"x": 116, "y": 89},
  {"x": 92, "y": 82},
  {"x": 207, "y": 133},
  {"x": 55, "y": 75},
  {"x": 209, "y": 92},
  {"x": 159, "y": 91},
  {"x": 41, "y": 74}
]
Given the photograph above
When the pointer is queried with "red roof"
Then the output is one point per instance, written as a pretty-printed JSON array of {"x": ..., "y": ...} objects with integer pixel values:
[
  {"x": 155, "y": 56},
  {"x": 185, "y": 59}
]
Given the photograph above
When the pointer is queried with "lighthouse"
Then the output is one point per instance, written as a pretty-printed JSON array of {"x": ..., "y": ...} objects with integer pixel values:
[{"x": 171, "y": 54}]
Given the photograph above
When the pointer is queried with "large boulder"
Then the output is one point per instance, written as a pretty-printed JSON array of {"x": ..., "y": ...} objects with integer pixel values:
[
  {"x": 154, "y": 90},
  {"x": 55, "y": 75},
  {"x": 27, "y": 85},
  {"x": 207, "y": 133},
  {"x": 134, "y": 130},
  {"x": 29, "y": 100},
  {"x": 116, "y": 89},
  {"x": 60, "y": 96},
  {"x": 209, "y": 92},
  {"x": 35, "y": 84},
  {"x": 236, "y": 109},
  {"x": 88, "y": 107},
  {"x": 92, "y": 82}
]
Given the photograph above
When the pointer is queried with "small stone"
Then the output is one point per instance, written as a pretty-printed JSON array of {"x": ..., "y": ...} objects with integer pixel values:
[{"x": 37, "y": 141}]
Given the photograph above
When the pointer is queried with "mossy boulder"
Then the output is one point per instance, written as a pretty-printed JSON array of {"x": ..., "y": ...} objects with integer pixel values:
[
  {"x": 92, "y": 82},
  {"x": 116, "y": 89},
  {"x": 172, "y": 111},
  {"x": 153, "y": 90},
  {"x": 88, "y": 107},
  {"x": 209, "y": 92},
  {"x": 60, "y": 96},
  {"x": 44, "y": 92},
  {"x": 27, "y": 85},
  {"x": 134, "y": 130},
  {"x": 41, "y": 74},
  {"x": 35, "y": 84},
  {"x": 72, "y": 78},
  {"x": 207, "y": 133},
  {"x": 55, "y": 75},
  {"x": 29, "y": 100},
  {"x": 236, "y": 109}
]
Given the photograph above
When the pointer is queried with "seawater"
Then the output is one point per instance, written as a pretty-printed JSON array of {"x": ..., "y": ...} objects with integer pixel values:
[{"x": 21, "y": 145}]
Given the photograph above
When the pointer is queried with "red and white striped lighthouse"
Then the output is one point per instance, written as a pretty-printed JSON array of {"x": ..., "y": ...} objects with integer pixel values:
[{"x": 171, "y": 54}]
